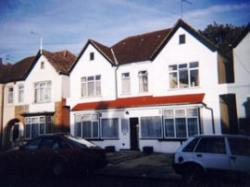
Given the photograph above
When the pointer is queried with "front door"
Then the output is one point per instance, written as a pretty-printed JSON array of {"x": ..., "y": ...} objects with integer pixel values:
[{"x": 134, "y": 138}]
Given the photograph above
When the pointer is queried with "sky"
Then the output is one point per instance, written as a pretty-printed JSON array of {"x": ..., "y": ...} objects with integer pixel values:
[{"x": 68, "y": 24}]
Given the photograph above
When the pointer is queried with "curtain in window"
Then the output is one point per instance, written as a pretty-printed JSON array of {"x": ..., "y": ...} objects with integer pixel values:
[
  {"x": 180, "y": 127},
  {"x": 86, "y": 129},
  {"x": 169, "y": 128},
  {"x": 110, "y": 128},
  {"x": 151, "y": 127},
  {"x": 192, "y": 126}
]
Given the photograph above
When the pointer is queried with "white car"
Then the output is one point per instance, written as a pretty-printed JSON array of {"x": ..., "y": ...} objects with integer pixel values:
[{"x": 213, "y": 154}]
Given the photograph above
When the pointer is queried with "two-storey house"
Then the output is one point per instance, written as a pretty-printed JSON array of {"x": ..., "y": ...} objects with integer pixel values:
[
  {"x": 34, "y": 92},
  {"x": 152, "y": 90}
]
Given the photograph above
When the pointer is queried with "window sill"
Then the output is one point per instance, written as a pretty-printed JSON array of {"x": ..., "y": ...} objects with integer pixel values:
[
  {"x": 91, "y": 97},
  {"x": 188, "y": 88},
  {"x": 154, "y": 138},
  {"x": 45, "y": 102},
  {"x": 94, "y": 139},
  {"x": 172, "y": 139}
]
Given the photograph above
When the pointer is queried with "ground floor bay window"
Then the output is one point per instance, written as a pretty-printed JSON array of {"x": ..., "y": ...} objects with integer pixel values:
[
  {"x": 87, "y": 126},
  {"x": 37, "y": 125}
]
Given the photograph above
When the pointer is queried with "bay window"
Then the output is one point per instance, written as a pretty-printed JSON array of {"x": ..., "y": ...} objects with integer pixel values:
[
  {"x": 87, "y": 126},
  {"x": 184, "y": 75},
  {"x": 91, "y": 86},
  {"x": 36, "y": 126},
  {"x": 181, "y": 123}
]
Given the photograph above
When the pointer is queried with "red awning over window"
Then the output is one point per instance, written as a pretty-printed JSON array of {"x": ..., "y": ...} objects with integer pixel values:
[{"x": 140, "y": 102}]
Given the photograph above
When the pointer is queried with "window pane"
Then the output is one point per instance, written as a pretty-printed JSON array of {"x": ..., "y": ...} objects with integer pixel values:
[
  {"x": 95, "y": 129},
  {"x": 192, "y": 126},
  {"x": 98, "y": 88},
  {"x": 169, "y": 127},
  {"x": 27, "y": 131},
  {"x": 34, "y": 130},
  {"x": 151, "y": 127},
  {"x": 143, "y": 81},
  {"x": 78, "y": 129},
  {"x": 173, "y": 80},
  {"x": 192, "y": 112},
  {"x": 125, "y": 86},
  {"x": 110, "y": 128},
  {"x": 42, "y": 128},
  {"x": 194, "y": 78},
  {"x": 169, "y": 113},
  {"x": 90, "y": 88},
  {"x": 172, "y": 67},
  {"x": 239, "y": 146},
  {"x": 180, "y": 113},
  {"x": 180, "y": 127},
  {"x": 84, "y": 89},
  {"x": 190, "y": 147},
  {"x": 183, "y": 78},
  {"x": 194, "y": 65},
  {"x": 86, "y": 129},
  {"x": 211, "y": 145}
]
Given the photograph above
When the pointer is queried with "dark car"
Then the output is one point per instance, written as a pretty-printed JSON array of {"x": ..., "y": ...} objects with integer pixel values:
[{"x": 53, "y": 154}]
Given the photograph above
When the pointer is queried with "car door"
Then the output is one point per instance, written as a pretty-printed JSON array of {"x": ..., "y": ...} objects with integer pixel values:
[
  {"x": 240, "y": 153},
  {"x": 211, "y": 153}
]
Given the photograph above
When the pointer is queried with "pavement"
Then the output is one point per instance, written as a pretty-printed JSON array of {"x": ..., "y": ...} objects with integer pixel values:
[{"x": 136, "y": 164}]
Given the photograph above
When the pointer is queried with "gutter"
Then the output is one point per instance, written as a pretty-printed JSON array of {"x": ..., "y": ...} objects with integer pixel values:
[
  {"x": 1, "y": 122},
  {"x": 116, "y": 68},
  {"x": 212, "y": 115}
]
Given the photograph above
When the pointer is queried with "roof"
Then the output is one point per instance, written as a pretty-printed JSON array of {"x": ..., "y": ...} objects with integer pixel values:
[
  {"x": 140, "y": 47},
  {"x": 61, "y": 61},
  {"x": 18, "y": 71},
  {"x": 143, "y": 47},
  {"x": 140, "y": 102}
]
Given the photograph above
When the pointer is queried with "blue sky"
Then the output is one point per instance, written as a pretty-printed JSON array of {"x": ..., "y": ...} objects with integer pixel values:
[{"x": 67, "y": 24}]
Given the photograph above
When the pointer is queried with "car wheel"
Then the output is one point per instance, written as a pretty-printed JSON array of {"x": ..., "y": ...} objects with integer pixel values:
[
  {"x": 58, "y": 169},
  {"x": 193, "y": 175}
]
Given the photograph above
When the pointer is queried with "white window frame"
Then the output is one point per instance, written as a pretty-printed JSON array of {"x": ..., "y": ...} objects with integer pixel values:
[
  {"x": 85, "y": 82},
  {"x": 188, "y": 69},
  {"x": 186, "y": 116},
  {"x": 20, "y": 93},
  {"x": 125, "y": 77},
  {"x": 141, "y": 75},
  {"x": 10, "y": 94},
  {"x": 41, "y": 89},
  {"x": 28, "y": 122},
  {"x": 118, "y": 133},
  {"x": 92, "y": 118}
]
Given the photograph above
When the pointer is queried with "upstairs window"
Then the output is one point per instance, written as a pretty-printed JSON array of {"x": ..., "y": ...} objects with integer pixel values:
[
  {"x": 184, "y": 75},
  {"x": 42, "y": 65},
  {"x": 182, "y": 39},
  {"x": 91, "y": 86},
  {"x": 42, "y": 92},
  {"x": 10, "y": 95},
  {"x": 143, "y": 81},
  {"x": 91, "y": 56},
  {"x": 125, "y": 83},
  {"x": 20, "y": 93}
]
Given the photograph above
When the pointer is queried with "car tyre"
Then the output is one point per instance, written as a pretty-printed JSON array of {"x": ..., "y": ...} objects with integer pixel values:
[
  {"x": 193, "y": 175},
  {"x": 58, "y": 169}
]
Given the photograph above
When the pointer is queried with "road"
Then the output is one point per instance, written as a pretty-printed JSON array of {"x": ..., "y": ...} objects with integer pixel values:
[{"x": 96, "y": 181}]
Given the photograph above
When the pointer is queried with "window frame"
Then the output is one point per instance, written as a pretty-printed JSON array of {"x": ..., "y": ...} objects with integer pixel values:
[
  {"x": 42, "y": 92},
  {"x": 85, "y": 83},
  {"x": 128, "y": 79},
  {"x": 177, "y": 69},
  {"x": 182, "y": 39},
  {"x": 10, "y": 92},
  {"x": 118, "y": 128},
  {"x": 141, "y": 75},
  {"x": 186, "y": 116},
  {"x": 91, "y": 56},
  {"x": 21, "y": 90},
  {"x": 92, "y": 118},
  {"x": 151, "y": 137}
]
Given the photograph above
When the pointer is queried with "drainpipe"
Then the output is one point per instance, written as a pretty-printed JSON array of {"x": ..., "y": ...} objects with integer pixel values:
[
  {"x": 2, "y": 112},
  {"x": 116, "y": 63},
  {"x": 212, "y": 115}
]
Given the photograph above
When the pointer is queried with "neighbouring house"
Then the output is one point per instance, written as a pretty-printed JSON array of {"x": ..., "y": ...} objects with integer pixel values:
[
  {"x": 34, "y": 91},
  {"x": 153, "y": 90},
  {"x": 241, "y": 87}
]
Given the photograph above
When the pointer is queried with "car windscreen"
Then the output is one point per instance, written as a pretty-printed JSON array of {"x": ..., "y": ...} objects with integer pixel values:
[
  {"x": 80, "y": 143},
  {"x": 191, "y": 145}
]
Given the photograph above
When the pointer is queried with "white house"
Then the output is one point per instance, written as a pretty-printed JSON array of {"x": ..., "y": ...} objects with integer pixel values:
[
  {"x": 34, "y": 96},
  {"x": 152, "y": 90}
]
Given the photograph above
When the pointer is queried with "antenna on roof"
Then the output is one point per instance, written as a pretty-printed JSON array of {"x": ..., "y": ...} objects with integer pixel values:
[
  {"x": 41, "y": 39},
  {"x": 181, "y": 3}
]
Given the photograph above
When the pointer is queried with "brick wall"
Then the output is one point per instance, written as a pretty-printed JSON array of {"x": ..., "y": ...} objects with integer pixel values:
[{"x": 61, "y": 116}]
